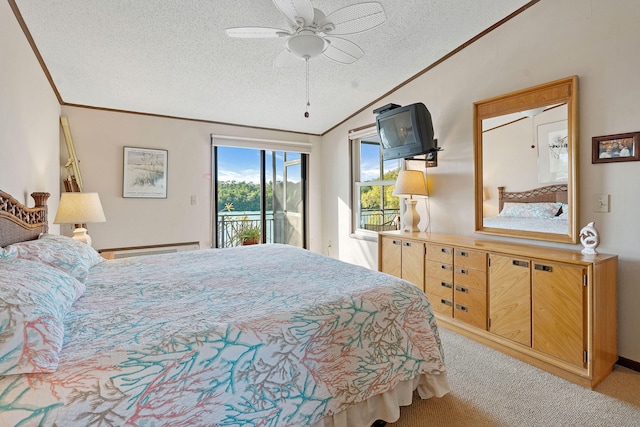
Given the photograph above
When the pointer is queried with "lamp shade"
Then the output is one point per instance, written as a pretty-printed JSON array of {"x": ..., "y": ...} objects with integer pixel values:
[
  {"x": 79, "y": 208},
  {"x": 410, "y": 183}
]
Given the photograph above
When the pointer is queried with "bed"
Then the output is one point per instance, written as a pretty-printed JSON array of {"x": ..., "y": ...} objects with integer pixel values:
[
  {"x": 542, "y": 209},
  {"x": 264, "y": 335}
]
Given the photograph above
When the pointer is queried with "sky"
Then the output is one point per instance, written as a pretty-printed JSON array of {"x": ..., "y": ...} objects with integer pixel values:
[{"x": 243, "y": 165}]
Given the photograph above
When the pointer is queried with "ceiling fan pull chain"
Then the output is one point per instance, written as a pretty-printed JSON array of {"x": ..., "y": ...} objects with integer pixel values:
[{"x": 306, "y": 113}]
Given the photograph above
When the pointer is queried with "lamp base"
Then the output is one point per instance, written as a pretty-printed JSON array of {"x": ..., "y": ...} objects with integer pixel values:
[
  {"x": 80, "y": 234},
  {"x": 410, "y": 219}
]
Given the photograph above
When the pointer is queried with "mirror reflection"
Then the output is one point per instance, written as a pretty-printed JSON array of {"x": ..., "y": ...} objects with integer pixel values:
[{"x": 525, "y": 169}]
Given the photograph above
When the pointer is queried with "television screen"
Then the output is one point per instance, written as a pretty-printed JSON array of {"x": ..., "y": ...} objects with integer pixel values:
[
  {"x": 405, "y": 131},
  {"x": 397, "y": 130}
]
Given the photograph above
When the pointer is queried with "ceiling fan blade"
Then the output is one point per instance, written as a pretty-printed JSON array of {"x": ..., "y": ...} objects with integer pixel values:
[
  {"x": 355, "y": 18},
  {"x": 286, "y": 59},
  {"x": 293, "y": 9},
  {"x": 256, "y": 32},
  {"x": 343, "y": 51}
]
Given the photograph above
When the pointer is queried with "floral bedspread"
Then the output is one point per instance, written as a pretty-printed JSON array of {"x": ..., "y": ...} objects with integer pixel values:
[{"x": 267, "y": 335}]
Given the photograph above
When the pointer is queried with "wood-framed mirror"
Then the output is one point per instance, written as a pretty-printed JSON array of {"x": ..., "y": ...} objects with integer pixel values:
[{"x": 526, "y": 163}]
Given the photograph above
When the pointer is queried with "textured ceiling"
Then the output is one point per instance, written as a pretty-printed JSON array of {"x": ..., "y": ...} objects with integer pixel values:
[{"x": 173, "y": 58}]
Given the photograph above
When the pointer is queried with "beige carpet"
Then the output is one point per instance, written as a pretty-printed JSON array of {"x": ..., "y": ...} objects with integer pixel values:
[{"x": 492, "y": 389}]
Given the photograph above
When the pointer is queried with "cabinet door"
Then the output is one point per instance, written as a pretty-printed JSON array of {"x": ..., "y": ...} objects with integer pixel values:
[
  {"x": 510, "y": 298},
  {"x": 391, "y": 258},
  {"x": 559, "y": 324},
  {"x": 413, "y": 263}
]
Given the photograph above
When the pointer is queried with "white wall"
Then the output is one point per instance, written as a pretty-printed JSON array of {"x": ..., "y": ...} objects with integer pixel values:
[
  {"x": 598, "y": 41},
  {"x": 29, "y": 114},
  {"x": 99, "y": 137}
]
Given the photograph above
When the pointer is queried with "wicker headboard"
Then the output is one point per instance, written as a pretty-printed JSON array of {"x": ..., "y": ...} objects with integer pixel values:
[
  {"x": 551, "y": 193},
  {"x": 19, "y": 223}
]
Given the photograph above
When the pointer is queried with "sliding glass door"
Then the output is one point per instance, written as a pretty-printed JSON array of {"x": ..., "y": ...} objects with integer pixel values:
[
  {"x": 259, "y": 196},
  {"x": 288, "y": 197}
]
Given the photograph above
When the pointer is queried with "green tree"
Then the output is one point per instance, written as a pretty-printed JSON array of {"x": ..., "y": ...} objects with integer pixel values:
[
  {"x": 245, "y": 196},
  {"x": 370, "y": 196}
]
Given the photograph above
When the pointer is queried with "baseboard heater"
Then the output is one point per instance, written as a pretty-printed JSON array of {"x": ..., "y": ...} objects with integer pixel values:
[{"x": 116, "y": 253}]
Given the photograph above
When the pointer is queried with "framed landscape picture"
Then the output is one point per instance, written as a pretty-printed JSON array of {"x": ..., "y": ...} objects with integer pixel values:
[{"x": 145, "y": 173}]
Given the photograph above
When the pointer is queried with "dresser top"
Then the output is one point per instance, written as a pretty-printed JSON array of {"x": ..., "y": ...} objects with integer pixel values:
[{"x": 518, "y": 249}]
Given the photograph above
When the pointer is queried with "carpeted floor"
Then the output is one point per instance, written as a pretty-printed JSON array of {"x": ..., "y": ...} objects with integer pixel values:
[{"x": 492, "y": 389}]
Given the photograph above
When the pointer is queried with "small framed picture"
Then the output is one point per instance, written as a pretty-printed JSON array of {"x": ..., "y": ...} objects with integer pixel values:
[
  {"x": 622, "y": 147},
  {"x": 145, "y": 173}
]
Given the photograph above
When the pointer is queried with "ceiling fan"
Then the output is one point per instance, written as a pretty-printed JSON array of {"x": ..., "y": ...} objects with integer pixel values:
[{"x": 312, "y": 33}]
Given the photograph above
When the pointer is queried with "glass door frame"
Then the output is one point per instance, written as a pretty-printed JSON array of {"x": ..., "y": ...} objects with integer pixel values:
[{"x": 214, "y": 191}]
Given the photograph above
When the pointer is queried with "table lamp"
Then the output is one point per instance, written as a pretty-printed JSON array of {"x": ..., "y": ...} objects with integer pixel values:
[
  {"x": 410, "y": 183},
  {"x": 80, "y": 209}
]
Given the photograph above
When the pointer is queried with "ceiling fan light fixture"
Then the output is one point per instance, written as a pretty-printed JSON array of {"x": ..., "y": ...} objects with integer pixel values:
[
  {"x": 306, "y": 45},
  {"x": 533, "y": 112}
]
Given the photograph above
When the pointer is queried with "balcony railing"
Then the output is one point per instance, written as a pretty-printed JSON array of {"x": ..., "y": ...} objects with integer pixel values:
[
  {"x": 230, "y": 227},
  {"x": 380, "y": 219}
]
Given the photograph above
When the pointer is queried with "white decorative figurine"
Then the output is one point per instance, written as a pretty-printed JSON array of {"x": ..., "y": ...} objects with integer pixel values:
[{"x": 590, "y": 239}]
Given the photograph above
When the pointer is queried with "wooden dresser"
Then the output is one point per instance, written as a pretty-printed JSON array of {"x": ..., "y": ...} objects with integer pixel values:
[{"x": 552, "y": 308}]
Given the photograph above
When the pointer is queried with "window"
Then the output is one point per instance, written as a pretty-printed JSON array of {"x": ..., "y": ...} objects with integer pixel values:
[{"x": 373, "y": 207}]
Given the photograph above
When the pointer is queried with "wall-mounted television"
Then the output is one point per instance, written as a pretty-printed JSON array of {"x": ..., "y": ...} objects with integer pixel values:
[{"x": 405, "y": 131}]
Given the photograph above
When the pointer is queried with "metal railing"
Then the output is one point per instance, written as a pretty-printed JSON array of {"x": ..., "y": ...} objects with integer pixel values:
[
  {"x": 231, "y": 227},
  {"x": 380, "y": 219}
]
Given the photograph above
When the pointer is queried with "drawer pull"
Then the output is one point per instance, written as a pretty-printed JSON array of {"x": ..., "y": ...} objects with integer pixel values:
[
  {"x": 406, "y": 244},
  {"x": 461, "y": 308},
  {"x": 543, "y": 268},
  {"x": 519, "y": 263},
  {"x": 462, "y": 253},
  {"x": 445, "y": 250},
  {"x": 446, "y": 302},
  {"x": 462, "y": 271},
  {"x": 462, "y": 289},
  {"x": 396, "y": 242},
  {"x": 445, "y": 267},
  {"x": 446, "y": 285}
]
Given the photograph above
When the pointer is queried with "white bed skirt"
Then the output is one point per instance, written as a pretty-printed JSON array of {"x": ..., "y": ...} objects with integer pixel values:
[{"x": 386, "y": 406}]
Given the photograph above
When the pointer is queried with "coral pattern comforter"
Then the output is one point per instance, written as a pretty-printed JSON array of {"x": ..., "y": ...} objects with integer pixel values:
[{"x": 267, "y": 335}]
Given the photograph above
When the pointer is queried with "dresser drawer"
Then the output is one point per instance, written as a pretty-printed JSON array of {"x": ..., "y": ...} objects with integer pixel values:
[
  {"x": 473, "y": 316},
  {"x": 441, "y": 288},
  {"x": 470, "y": 278},
  {"x": 442, "y": 305},
  {"x": 468, "y": 296},
  {"x": 470, "y": 259},
  {"x": 439, "y": 270},
  {"x": 439, "y": 253}
]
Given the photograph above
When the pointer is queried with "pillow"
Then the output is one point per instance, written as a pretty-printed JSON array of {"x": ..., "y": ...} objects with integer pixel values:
[
  {"x": 64, "y": 253},
  {"x": 34, "y": 300},
  {"x": 530, "y": 210}
]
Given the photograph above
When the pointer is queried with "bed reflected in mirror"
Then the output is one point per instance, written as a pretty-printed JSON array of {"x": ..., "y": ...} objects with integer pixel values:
[{"x": 525, "y": 165}]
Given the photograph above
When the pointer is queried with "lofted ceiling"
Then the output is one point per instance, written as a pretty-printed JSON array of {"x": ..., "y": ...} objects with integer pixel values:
[{"x": 173, "y": 58}]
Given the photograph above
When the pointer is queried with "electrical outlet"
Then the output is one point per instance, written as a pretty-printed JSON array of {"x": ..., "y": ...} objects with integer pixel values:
[
  {"x": 194, "y": 200},
  {"x": 601, "y": 203}
]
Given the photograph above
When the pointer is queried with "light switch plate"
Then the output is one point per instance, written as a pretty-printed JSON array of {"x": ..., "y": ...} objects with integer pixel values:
[{"x": 601, "y": 203}]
